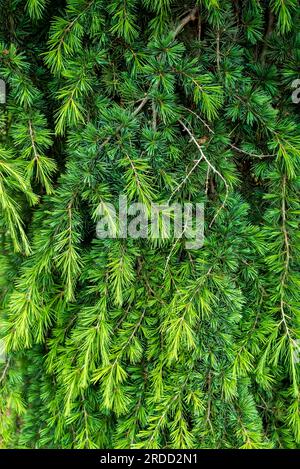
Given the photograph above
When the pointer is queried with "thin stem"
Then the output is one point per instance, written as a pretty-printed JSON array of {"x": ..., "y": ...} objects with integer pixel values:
[
  {"x": 287, "y": 257},
  {"x": 271, "y": 19},
  {"x": 5, "y": 371},
  {"x": 179, "y": 186},
  {"x": 248, "y": 152},
  {"x": 31, "y": 132},
  {"x": 218, "y": 50},
  {"x": 190, "y": 17},
  {"x": 212, "y": 167}
]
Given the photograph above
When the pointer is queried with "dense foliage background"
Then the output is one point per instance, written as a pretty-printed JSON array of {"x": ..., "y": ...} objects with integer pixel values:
[{"x": 129, "y": 343}]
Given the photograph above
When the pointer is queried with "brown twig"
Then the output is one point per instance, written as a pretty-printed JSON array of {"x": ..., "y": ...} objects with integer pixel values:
[
  {"x": 190, "y": 17},
  {"x": 271, "y": 19}
]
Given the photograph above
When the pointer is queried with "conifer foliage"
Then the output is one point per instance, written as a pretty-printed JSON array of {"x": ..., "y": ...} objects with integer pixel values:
[{"x": 136, "y": 343}]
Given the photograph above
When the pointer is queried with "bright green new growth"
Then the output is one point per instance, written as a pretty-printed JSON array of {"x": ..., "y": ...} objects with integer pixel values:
[{"x": 135, "y": 343}]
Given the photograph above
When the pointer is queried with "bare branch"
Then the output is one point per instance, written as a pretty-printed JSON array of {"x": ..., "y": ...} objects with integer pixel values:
[
  {"x": 184, "y": 180},
  {"x": 211, "y": 166},
  {"x": 190, "y": 17}
]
